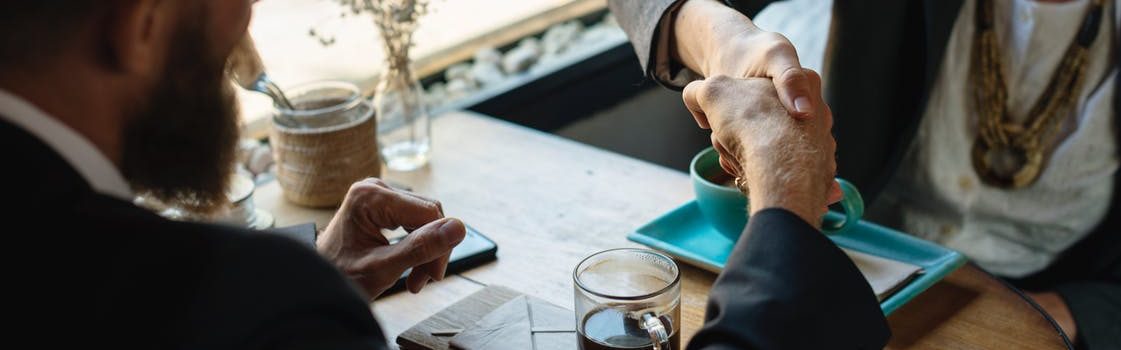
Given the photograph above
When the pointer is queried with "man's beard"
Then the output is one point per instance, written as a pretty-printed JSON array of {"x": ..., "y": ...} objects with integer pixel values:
[{"x": 178, "y": 144}]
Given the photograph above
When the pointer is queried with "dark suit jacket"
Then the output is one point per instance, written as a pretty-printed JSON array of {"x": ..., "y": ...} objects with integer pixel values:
[
  {"x": 884, "y": 57},
  {"x": 102, "y": 273}
]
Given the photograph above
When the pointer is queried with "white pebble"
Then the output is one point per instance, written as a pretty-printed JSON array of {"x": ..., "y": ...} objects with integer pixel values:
[
  {"x": 532, "y": 44},
  {"x": 260, "y": 160},
  {"x": 488, "y": 55},
  {"x": 598, "y": 34},
  {"x": 559, "y": 37},
  {"x": 458, "y": 71},
  {"x": 436, "y": 95},
  {"x": 523, "y": 56},
  {"x": 487, "y": 73},
  {"x": 459, "y": 88}
]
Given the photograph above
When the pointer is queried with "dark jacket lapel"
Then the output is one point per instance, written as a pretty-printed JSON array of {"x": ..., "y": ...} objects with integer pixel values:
[
  {"x": 873, "y": 85},
  {"x": 940, "y": 18}
]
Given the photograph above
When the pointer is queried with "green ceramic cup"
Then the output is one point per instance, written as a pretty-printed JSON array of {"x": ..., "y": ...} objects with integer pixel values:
[{"x": 726, "y": 208}]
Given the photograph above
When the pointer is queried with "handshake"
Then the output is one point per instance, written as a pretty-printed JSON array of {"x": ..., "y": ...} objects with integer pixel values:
[
  {"x": 772, "y": 132},
  {"x": 783, "y": 160},
  {"x": 780, "y": 159}
]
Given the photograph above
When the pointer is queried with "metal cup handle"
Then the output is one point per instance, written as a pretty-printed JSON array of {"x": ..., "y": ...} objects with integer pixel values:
[{"x": 657, "y": 330}]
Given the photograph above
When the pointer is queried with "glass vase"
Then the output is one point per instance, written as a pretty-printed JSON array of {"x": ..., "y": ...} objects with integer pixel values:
[{"x": 404, "y": 126}]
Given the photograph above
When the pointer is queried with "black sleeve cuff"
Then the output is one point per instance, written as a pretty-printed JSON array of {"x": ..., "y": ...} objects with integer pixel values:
[
  {"x": 787, "y": 286},
  {"x": 748, "y": 8}
]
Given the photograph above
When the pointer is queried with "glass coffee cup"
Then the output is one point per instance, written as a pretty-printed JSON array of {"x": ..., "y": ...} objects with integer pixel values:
[{"x": 628, "y": 299}]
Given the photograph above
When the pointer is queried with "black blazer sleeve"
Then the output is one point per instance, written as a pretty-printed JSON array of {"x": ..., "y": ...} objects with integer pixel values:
[
  {"x": 787, "y": 286},
  {"x": 272, "y": 292}
]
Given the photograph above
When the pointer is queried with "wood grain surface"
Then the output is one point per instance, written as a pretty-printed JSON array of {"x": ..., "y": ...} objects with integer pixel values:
[{"x": 548, "y": 202}]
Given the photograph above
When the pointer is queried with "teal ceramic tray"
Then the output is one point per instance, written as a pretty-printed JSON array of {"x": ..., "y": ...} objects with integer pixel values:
[{"x": 685, "y": 234}]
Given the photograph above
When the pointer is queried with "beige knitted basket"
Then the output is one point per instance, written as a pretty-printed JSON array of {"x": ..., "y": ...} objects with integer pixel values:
[{"x": 315, "y": 167}]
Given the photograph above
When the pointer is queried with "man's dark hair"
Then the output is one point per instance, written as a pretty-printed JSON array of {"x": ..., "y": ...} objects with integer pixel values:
[{"x": 36, "y": 30}]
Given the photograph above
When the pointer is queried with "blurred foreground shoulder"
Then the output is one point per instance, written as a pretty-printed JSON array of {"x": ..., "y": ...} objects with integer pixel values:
[{"x": 271, "y": 292}]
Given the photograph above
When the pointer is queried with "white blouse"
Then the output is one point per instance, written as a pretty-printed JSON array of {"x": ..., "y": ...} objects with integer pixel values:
[{"x": 939, "y": 196}]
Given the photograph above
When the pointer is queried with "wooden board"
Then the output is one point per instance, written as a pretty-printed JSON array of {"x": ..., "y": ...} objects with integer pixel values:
[{"x": 548, "y": 202}]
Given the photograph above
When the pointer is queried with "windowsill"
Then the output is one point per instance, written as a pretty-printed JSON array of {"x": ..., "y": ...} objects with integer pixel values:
[{"x": 449, "y": 34}]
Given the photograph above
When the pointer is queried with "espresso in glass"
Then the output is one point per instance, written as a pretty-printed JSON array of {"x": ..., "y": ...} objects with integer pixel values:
[{"x": 628, "y": 299}]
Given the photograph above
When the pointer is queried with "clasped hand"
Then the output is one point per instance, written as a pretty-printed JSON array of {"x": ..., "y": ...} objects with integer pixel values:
[
  {"x": 768, "y": 119},
  {"x": 787, "y": 162}
]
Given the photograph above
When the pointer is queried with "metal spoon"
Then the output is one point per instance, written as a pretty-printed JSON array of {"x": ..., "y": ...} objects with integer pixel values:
[
  {"x": 246, "y": 68},
  {"x": 266, "y": 86}
]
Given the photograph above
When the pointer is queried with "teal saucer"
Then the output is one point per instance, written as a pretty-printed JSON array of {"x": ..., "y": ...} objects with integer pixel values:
[{"x": 685, "y": 234}]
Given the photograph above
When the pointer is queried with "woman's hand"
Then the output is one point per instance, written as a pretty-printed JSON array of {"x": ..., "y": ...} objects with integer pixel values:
[{"x": 713, "y": 39}]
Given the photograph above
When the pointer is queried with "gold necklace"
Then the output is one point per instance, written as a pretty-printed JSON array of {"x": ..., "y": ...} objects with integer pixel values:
[{"x": 1008, "y": 154}]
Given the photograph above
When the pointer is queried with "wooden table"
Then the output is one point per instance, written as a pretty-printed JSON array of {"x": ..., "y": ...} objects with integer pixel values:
[{"x": 548, "y": 202}]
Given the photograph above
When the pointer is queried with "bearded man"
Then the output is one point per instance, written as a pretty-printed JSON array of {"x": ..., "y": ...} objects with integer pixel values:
[{"x": 100, "y": 100}]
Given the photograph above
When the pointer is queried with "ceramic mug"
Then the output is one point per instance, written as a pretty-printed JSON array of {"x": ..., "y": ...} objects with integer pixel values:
[{"x": 725, "y": 206}]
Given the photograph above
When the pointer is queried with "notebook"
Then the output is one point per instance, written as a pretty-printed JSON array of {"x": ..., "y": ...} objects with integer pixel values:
[{"x": 437, "y": 332}]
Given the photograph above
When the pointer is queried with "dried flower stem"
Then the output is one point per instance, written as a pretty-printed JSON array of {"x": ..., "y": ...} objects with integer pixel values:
[{"x": 396, "y": 20}]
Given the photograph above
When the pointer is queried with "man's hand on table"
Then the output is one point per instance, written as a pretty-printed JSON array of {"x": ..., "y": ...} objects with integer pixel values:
[
  {"x": 786, "y": 162},
  {"x": 354, "y": 241}
]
